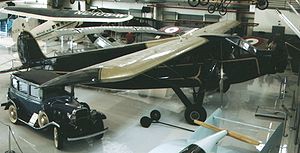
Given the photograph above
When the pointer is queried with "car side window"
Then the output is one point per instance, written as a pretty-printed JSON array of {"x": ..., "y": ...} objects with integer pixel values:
[
  {"x": 34, "y": 91},
  {"x": 15, "y": 83},
  {"x": 23, "y": 87}
]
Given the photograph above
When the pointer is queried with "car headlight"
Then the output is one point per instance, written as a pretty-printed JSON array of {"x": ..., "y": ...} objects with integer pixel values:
[{"x": 72, "y": 116}]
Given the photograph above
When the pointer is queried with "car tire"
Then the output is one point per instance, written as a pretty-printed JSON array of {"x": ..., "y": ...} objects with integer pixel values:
[
  {"x": 101, "y": 126},
  {"x": 43, "y": 119},
  {"x": 13, "y": 115},
  {"x": 58, "y": 138}
]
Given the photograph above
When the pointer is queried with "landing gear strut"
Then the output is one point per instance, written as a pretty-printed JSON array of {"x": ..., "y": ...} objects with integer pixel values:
[{"x": 194, "y": 111}]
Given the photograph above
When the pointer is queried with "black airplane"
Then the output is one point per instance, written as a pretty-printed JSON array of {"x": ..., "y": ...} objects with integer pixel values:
[{"x": 197, "y": 60}]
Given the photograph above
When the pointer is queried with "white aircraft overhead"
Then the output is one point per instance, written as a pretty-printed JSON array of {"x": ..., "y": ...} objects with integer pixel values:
[
  {"x": 66, "y": 15},
  {"x": 57, "y": 19}
]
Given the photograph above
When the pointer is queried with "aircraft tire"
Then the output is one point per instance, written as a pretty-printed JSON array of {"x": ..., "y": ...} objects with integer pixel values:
[
  {"x": 211, "y": 8},
  {"x": 155, "y": 115},
  {"x": 222, "y": 11},
  {"x": 194, "y": 3},
  {"x": 195, "y": 112},
  {"x": 262, "y": 4},
  {"x": 203, "y": 2},
  {"x": 88, "y": 2}
]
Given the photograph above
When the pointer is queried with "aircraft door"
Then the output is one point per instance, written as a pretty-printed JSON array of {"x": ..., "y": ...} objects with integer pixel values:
[{"x": 241, "y": 66}]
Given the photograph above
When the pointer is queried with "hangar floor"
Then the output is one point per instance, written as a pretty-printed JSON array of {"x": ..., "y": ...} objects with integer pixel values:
[{"x": 125, "y": 108}]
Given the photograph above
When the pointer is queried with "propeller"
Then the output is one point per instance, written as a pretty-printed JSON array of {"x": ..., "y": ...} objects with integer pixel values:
[{"x": 155, "y": 115}]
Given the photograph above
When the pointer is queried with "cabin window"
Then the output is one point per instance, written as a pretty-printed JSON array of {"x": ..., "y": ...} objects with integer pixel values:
[
  {"x": 35, "y": 91},
  {"x": 23, "y": 87},
  {"x": 15, "y": 83}
]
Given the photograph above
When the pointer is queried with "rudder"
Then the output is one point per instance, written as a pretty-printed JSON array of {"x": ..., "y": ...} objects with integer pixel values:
[{"x": 28, "y": 49}]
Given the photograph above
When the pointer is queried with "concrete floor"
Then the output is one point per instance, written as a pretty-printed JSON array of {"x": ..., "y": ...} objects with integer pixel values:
[{"x": 125, "y": 108}]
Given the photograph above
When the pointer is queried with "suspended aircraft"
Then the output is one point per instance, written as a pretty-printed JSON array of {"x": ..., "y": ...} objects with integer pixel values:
[
  {"x": 221, "y": 5},
  {"x": 57, "y": 19},
  {"x": 196, "y": 60}
]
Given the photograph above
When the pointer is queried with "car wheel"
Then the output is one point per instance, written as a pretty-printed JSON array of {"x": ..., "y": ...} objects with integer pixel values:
[
  {"x": 101, "y": 126},
  {"x": 42, "y": 119},
  {"x": 13, "y": 115},
  {"x": 57, "y": 137}
]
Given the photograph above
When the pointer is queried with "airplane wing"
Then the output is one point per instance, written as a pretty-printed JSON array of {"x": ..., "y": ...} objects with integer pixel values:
[
  {"x": 131, "y": 65},
  {"x": 216, "y": 28},
  {"x": 66, "y": 15},
  {"x": 99, "y": 29}
]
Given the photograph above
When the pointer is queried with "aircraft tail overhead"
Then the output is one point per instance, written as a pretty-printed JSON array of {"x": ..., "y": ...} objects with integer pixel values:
[{"x": 28, "y": 49}]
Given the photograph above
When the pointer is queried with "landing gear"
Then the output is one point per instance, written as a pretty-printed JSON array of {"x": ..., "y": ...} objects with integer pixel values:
[
  {"x": 262, "y": 4},
  {"x": 155, "y": 115},
  {"x": 194, "y": 111}
]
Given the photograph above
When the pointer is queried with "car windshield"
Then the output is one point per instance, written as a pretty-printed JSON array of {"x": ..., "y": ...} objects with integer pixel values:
[{"x": 55, "y": 92}]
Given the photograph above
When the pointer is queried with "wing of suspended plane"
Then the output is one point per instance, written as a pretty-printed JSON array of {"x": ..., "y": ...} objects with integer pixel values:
[
  {"x": 131, "y": 65},
  {"x": 100, "y": 29},
  {"x": 66, "y": 15}
]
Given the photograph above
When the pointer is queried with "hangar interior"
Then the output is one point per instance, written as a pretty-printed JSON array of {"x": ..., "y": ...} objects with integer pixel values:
[{"x": 265, "y": 108}]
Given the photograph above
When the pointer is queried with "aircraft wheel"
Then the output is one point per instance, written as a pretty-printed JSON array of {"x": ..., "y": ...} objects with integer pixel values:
[
  {"x": 223, "y": 11},
  {"x": 194, "y": 3},
  {"x": 72, "y": 1},
  {"x": 42, "y": 119},
  {"x": 57, "y": 137},
  {"x": 195, "y": 112},
  {"x": 262, "y": 4},
  {"x": 13, "y": 115},
  {"x": 155, "y": 115},
  {"x": 88, "y": 2},
  {"x": 101, "y": 126},
  {"x": 203, "y": 2},
  {"x": 211, "y": 8}
]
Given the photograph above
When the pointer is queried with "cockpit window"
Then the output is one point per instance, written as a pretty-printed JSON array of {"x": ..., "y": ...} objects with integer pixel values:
[{"x": 241, "y": 47}]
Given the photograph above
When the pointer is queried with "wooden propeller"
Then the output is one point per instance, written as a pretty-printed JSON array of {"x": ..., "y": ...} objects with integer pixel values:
[{"x": 232, "y": 134}]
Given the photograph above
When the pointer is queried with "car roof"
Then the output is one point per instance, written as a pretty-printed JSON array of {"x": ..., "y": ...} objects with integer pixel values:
[{"x": 36, "y": 76}]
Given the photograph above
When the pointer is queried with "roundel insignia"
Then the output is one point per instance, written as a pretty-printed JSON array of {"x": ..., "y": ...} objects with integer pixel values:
[
  {"x": 252, "y": 41},
  {"x": 172, "y": 30}
]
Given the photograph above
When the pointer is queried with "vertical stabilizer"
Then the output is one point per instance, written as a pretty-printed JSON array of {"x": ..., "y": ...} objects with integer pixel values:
[{"x": 28, "y": 49}]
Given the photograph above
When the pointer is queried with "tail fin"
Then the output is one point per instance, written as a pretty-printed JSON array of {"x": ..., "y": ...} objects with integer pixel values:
[{"x": 28, "y": 49}]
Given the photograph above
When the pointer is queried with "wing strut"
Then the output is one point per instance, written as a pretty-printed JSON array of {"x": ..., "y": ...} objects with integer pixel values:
[{"x": 193, "y": 110}]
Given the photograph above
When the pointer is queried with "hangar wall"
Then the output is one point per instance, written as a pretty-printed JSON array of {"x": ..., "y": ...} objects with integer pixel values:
[{"x": 268, "y": 18}]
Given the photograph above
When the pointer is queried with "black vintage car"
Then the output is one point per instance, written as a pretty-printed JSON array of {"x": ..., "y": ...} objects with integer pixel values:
[{"x": 53, "y": 108}]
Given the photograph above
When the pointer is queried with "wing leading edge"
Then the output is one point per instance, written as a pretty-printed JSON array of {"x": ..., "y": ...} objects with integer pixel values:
[
  {"x": 66, "y": 15},
  {"x": 131, "y": 65}
]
